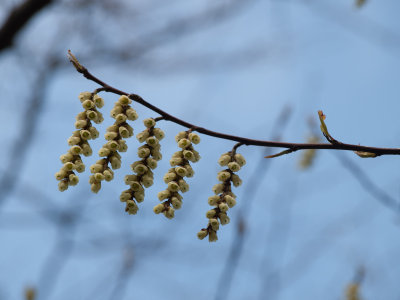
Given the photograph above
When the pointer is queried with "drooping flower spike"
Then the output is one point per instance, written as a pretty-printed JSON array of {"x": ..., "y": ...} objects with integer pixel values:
[
  {"x": 149, "y": 155},
  {"x": 79, "y": 140},
  {"x": 115, "y": 136},
  {"x": 174, "y": 178},
  {"x": 224, "y": 198}
]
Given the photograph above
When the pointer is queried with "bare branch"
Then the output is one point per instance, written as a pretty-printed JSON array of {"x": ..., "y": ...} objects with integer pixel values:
[
  {"x": 17, "y": 19},
  {"x": 245, "y": 141}
]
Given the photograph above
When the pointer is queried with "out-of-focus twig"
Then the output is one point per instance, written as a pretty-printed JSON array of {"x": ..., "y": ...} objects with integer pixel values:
[
  {"x": 21, "y": 145},
  {"x": 368, "y": 184},
  {"x": 225, "y": 279},
  {"x": 18, "y": 18},
  {"x": 360, "y": 25}
]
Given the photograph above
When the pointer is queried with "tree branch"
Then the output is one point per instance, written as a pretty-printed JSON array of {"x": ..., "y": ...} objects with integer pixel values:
[
  {"x": 245, "y": 141},
  {"x": 17, "y": 19}
]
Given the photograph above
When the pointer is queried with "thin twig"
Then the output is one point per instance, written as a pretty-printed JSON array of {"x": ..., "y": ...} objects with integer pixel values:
[
  {"x": 245, "y": 141},
  {"x": 236, "y": 248}
]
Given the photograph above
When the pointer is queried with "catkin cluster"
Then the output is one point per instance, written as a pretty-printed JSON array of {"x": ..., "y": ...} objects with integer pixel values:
[
  {"x": 115, "y": 136},
  {"x": 79, "y": 140},
  {"x": 175, "y": 176},
  {"x": 223, "y": 198},
  {"x": 149, "y": 155}
]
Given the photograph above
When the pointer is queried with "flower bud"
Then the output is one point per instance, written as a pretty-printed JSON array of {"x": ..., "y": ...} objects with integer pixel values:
[
  {"x": 173, "y": 186},
  {"x": 189, "y": 171},
  {"x": 74, "y": 140},
  {"x": 108, "y": 175},
  {"x": 152, "y": 141},
  {"x": 230, "y": 201},
  {"x": 112, "y": 145},
  {"x": 163, "y": 195},
  {"x": 234, "y": 166},
  {"x": 61, "y": 174},
  {"x": 140, "y": 169},
  {"x": 68, "y": 166},
  {"x": 98, "y": 101},
  {"x": 143, "y": 152},
  {"x": 175, "y": 161},
  {"x": 183, "y": 186},
  {"x": 188, "y": 155},
  {"x": 240, "y": 159},
  {"x": 117, "y": 109},
  {"x": 120, "y": 118},
  {"x": 125, "y": 197},
  {"x": 86, "y": 150},
  {"x": 156, "y": 155},
  {"x": 103, "y": 152},
  {"x": 169, "y": 177},
  {"x": 223, "y": 207},
  {"x": 95, "y": 187},
  {"x": 158, "y": 133},
  {"x": 91, "y": 115},
  {"x": 194, "y": 138},
  {"x": 218, "y": 188},
  {"x": 85, "y": 96},
  {"x": 214, "y": 224},
  {"x": 142, "y": 136},
  {"x": 96, "y": 168},
  {"x": 80, "y": 167},
  {"x": 210, "y": 214},
  {"x": 87, "y": 104},
  {"x": 66, "y": 157},
  {"x": 115, "y": 162},
  {"x": 73, "y": 179},
  {"x": 212, "y": 236},
  {"x": 224, "y": 160},
  {"x": 109, "y": 136},
  {"x": 181, "y": 171},
  {"x": 151, "y": 163},
  {"x": 236, "y": 180},
  {"x": 139, "y": 196},
  {"x": 158, "y": 208},
  {"x": 176, "y": 203},
  {"x": 124, "y": 100},
  {"x": 202, "y": 234},
  {"x": 85, "y": 134},
  {"x": 93, "y": 132},
  {"x": 184, "y": 143},
  {"x": 124, "y": 132},
  {"x": 123, "y": 147},
  {"x": 169, "y": 213},
  {"x": 99, "y": 176},
  {"x": 223, "y": 218},
  {"x": 149, "y": 122},
  {"x": 213, "y": 200},
  {"x": 180, "y": 135},
  {"x": 62, "y": 185},
  {"x": 147, "y": 182},
  {"x": 131, "y": 114},
  {"x": 223, "y": 176}
]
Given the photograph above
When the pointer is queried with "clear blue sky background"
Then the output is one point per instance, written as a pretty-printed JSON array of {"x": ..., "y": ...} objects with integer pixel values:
[{"x": 307, "y": 231}]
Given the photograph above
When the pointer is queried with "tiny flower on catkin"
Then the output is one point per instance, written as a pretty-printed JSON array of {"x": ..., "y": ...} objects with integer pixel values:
[
  {"x": 79, "y": 140},
  {"x": 149, "y": 154},
  {"x": 223, "y": 198},
  {"x": 174, "y": 178},
  {"x": 114, "y": 136}
]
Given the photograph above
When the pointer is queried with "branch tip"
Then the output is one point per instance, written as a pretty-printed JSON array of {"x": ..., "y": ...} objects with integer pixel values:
[{"x": 75, "y": 62}]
